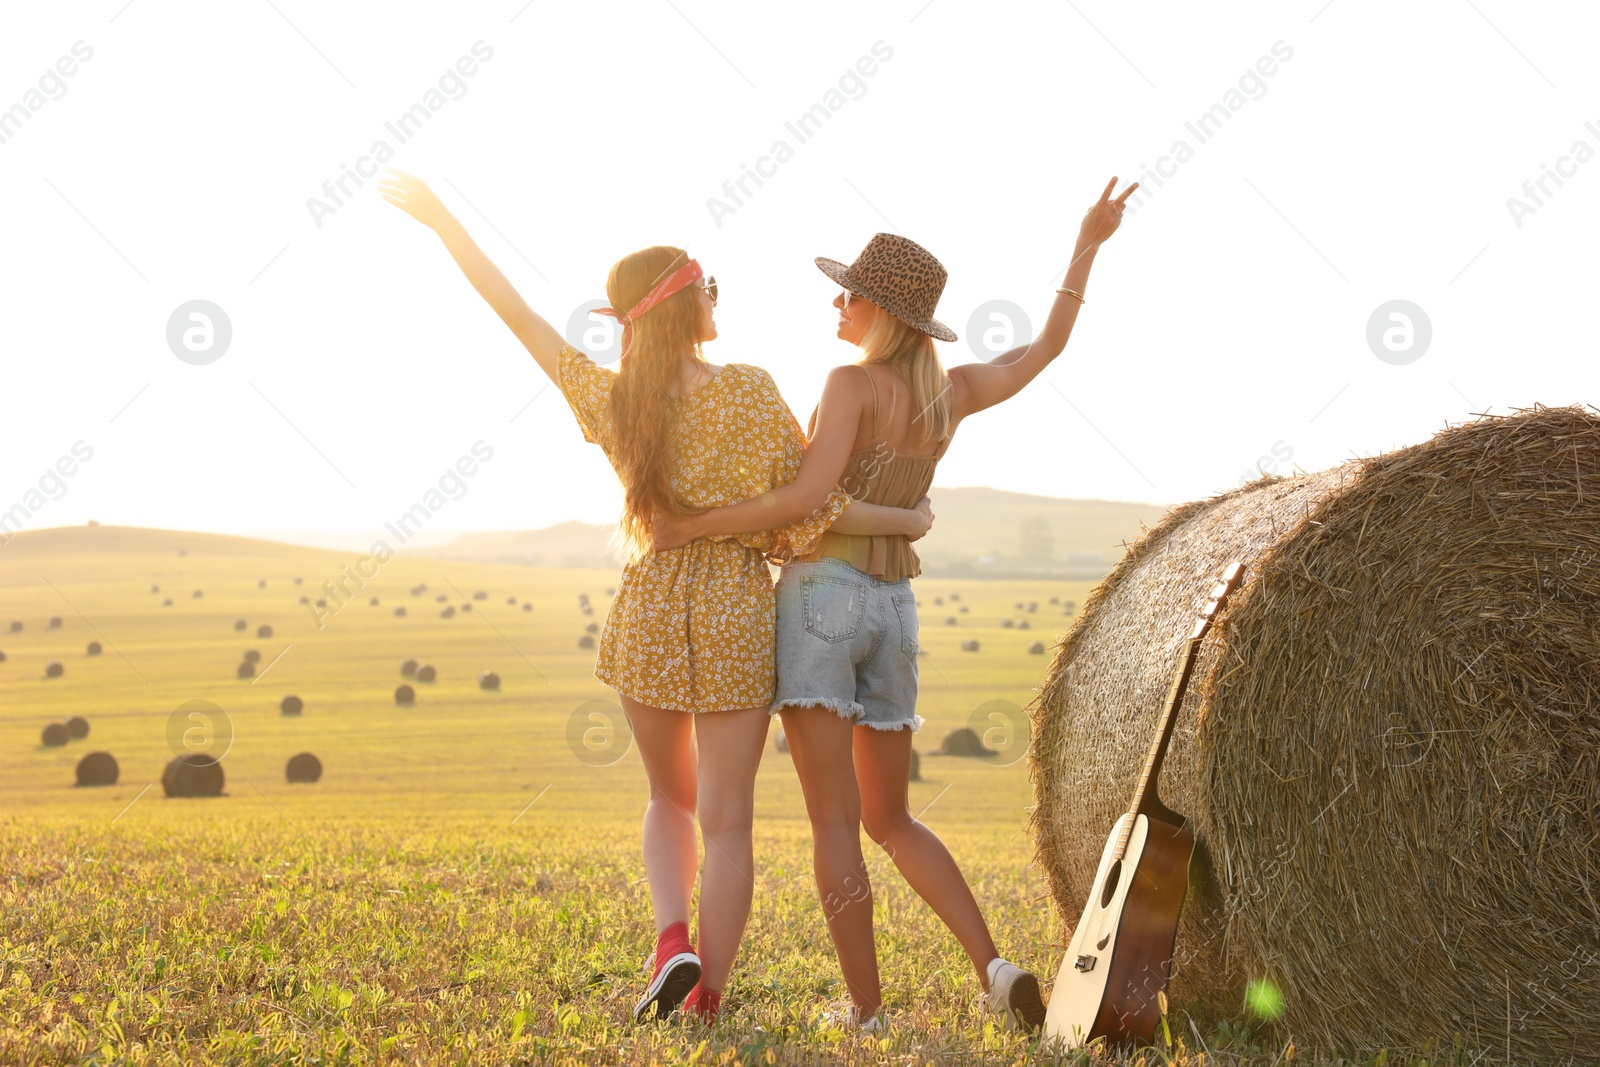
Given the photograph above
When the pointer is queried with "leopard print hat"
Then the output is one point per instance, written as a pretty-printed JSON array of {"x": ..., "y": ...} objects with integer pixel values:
[{"x": 899, "y": 276}]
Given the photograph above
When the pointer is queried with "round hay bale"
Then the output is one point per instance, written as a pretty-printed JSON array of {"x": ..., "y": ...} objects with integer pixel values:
[
  {"x": 400, "y": 612},
  {"x": 1036, "y": 649},
  {"x": 511, "y": 600},
  {"x": 298, "y": 581},
  {"x": 1387, "y": 754},
  {"x": 2, "y": 657},
  {"x": 426, "y": 673},
  {"x": 480, "y": 595},
  {"x": 198, "y": 593},
  {"x": 55, "y": 735},
  {"x": 527, "y": 606},
  {"x": 263, "y": 631},
  {"x": 915, "y": 773},
  {"x": 240, "y": 625},
  {"x": 965, "y": 742},
  {"x": 440, "y": 599},
  {"x": 1006, "y": 624},
  {"x": 303, "y": 768},
  {"x": 586, "y": 607},
  {"x": 291, "y": 705},
  {"x": 320, "y": 602},
  {"x": 54, "y": 669},
  {"x": 193, "y": 775},
  {"x": 1033, "y": 605},
  {"x": 155, "y": 589},
  {"x": 1019, "y": 605},
  {"x": 77, "y": 727},
  {"x": 1023, "y": 625},
  {"x": 373, "y": 602},
  {"x": 16, "y": 625},
  {"x": 252, "y": 656},
  {"x": 950, "y": 620},
  {"x": 408, "y": 669},
  {"x": 55, "y": 622},
  {"x": 98, "y": 768},
  {"x": 448, "y": 613},
  {"x": 246, "y": 670},
  {"x": 488, "y": 680},
  {"x": 592, "y": 628},
  {"x": 955, "y": 596},
  {"x": 963, "y": 609},
  {"x": 262, "y": 584},
  {"x": 611, "y": 590},
  {"x": 93, "y": 649},
  {"x": 466, "y": 607},
  {"x": 1055, "y": 600},
  {"x": 405, "y": 695},
  {"x": 586, "y": 641},
  {"x": 304, "y": 599},
  {"x": 939, "y": 600},
  {"x": 970, "y": 645},
  {"x": 167, "y": 603}
]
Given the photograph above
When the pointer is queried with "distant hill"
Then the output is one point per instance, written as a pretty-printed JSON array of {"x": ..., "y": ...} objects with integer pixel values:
[{"x": 976, "y": 533}]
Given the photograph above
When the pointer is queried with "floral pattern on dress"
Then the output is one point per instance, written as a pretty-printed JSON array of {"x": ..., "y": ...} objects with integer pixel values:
[{"x": 691, "y": 629}]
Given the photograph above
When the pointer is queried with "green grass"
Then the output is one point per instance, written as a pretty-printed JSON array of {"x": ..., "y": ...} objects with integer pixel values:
[{"x": 460, "y": 887}]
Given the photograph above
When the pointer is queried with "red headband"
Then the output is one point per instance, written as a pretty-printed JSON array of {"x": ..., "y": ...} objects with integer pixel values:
[{"x": 673, "y": 282}]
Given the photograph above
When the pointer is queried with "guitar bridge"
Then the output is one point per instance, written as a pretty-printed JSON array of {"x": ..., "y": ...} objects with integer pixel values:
[{"x": 1084, "y": 964}]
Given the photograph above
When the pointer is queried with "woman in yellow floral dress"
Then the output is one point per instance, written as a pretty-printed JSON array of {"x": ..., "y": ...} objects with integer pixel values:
[{"x": 689, "y": 643}]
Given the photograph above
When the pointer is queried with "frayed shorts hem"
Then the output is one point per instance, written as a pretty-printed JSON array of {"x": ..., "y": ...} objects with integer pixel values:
[{"x": 848, "y": 710}]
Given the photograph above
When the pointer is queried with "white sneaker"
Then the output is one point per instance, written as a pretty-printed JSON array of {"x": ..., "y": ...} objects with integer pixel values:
[
  {"x": 1014, "y": 995},
  {"x": 845, "y": 1019}
]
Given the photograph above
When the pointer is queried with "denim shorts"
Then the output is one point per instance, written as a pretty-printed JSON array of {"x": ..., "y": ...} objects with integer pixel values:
[{"x": 847, "y": 642}]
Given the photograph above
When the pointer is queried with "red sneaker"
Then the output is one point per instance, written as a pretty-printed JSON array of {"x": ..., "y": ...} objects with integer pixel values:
[
  {"x": 677, "y": 970},
  {"x": 705, "y": 1003}
]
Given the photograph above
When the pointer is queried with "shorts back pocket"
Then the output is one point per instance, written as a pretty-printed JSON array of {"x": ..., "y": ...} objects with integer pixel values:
[{"x": 834, "y": 607}]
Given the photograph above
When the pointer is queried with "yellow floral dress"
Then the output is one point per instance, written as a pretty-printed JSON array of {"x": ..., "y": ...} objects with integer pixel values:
[{"x": 692, "y": 629}]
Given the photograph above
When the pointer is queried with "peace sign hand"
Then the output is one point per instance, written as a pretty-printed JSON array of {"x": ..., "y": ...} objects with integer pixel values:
[{"x": 1103, "y": 218}]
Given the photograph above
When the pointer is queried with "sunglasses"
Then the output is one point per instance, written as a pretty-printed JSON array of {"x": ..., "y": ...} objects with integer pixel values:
[{"x": 711, "y": 287}]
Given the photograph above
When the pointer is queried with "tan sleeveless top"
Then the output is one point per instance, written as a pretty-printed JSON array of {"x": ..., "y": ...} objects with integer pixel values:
[{"x": 878, "y": 474}]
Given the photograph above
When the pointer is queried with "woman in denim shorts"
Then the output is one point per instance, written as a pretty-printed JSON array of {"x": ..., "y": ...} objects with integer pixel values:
[{"x": 847, "y": 617}]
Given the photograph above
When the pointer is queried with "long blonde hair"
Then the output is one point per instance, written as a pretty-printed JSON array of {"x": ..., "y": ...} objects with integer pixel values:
[
  {"x": 666, "y": 343},
  {"x": 890, "y": 340}
]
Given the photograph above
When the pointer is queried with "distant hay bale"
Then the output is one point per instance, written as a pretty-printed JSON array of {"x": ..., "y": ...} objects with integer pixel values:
[
  {"x": 1387, "y": 754},
  {"x": 511, "y": 600},
  {"x": 611, "y": 590},
  {"x": 262, "y": 584},
  {"x": 291, "y": 705},
  {"x": 592, "y": 628},
  {"x": 400, "y": 612},
  {"x": 93, "y": 649},
  {"x": 155, "y": 589},
  {"x": 2, "y": 657},
  {"x": 405, "y": 695},
  {"x": 955, "y": 596},
  {"x": 373, "y": 602},
  {"x": 970, "y": 645},
  {"x": 586, "y": 607},
  {"x": 252, "y": 655},
  {"x": 1006, "y": 624},
  {"x": 480, "y": 595},
  {"x": 526, "y": 606},
  {"x": 408, "y": 669},
  {"x": 263, "y": 631},
  {"x": 964, "y": 742},
  {"x": 915, "y": 773},
  {"x": 54, "y": 669},
  {"x": 240, "y": 624},
  {"x": 198, "y": 593},
  {"x": 1055, "y": 600},
  {"x": 77, "y": 727},
  {"x": 1023, "y": 625},
  {"x": 1033, "y": 605},
  {"x": 466, "y": 607},
  {"x": 55, "y": 622},
  {"x": 320, "y": 602},
  {"x": 963, "y": 609},
  {"x": 1019, "y": 605},
  {"x": 488, "y": 680},
  {"x": 298, "y": 581},
  {"x": 193, "y": 775},
  {"x": 426, "y": 673},
  {"x": 303, "y": 599},
  {"x": 16, "y": 625},
  {"x": 1036, "y": 649},
  {"x": 440, "y": 599},
  {"x": 246, "y": 670},
  {"x": 448, "y": 613},
  {"x": 303, "y": 768},
  {"x": 950, "y": 620},
  {"x": 939, "y": 601},
  {"x": 586, "y": 641},
  {"x": 55, "y": 735},
  {"x": 98, "y": 768},
  {"x": 167, "y": 603}
]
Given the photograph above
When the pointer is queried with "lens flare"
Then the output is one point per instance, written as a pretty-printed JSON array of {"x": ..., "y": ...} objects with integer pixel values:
[{"x": 1263, "y": 999}]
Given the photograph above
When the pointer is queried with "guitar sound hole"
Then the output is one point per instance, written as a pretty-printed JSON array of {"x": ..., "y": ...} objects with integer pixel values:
[{"x": 1112, "y": 876}]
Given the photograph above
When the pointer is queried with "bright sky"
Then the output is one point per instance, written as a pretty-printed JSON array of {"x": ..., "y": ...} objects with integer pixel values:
[{"x": 1357, "y": 153}]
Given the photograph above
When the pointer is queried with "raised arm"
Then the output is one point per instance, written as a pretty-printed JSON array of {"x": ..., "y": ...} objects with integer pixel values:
[
  {"x": 412, "y": 195},
  {"x": 977, "y": 386}
]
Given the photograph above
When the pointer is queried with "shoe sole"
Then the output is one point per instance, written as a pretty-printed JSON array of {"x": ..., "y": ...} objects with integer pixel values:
[
  {"x": 674, "y": 981},
  {"x": 1031, "y": 1010}
]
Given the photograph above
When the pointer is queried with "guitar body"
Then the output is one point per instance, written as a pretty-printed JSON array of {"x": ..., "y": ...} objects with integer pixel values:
[{"x": 1121, "y": 952}]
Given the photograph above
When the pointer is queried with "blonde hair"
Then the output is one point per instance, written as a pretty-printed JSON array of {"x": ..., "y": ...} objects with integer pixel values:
[
  {"x": 665, "y": 344},
  {"x": 893, "y": 341}
]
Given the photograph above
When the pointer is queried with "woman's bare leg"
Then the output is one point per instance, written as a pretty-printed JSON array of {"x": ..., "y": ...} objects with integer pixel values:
[
  {"x": 730, "y": 752},
  {"x": 883, "y": 767},
  {"x": 819, "y": 741},
  {"x": 666, "y": 743}
]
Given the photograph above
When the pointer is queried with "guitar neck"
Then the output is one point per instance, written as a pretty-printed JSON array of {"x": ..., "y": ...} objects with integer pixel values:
[{"x": 1145, "y": 791}]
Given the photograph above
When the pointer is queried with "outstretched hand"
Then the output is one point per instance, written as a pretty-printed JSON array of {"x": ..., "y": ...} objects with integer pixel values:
[
  {"x": 1104, "y": 215},
  {"x": 412, "y": 195}
]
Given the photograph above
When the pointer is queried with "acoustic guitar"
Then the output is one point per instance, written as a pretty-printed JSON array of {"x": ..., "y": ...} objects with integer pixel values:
[{"x": 1112, "y": 981}]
